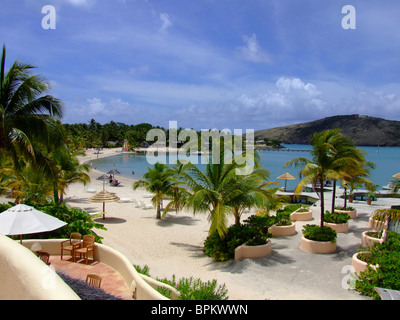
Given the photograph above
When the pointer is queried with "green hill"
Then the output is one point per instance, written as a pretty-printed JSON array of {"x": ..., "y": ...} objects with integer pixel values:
[{"x": 364, "y": 130}]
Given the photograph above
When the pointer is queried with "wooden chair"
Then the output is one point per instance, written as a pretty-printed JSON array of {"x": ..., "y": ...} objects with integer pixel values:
[
  {"x": 86, "y": 246},
  {"x": 45, "y": 257},
  {"x": 71, "y": 244},
  {"x": 93, "y": 280}
]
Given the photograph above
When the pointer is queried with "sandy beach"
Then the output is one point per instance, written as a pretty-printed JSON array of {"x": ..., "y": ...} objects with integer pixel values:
[{"x": 173, "y": 246}]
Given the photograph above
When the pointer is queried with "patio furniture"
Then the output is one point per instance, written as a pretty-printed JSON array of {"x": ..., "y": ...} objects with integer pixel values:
[
  {"x": 45, "y": 257},
  {"x": 71, "y": 244},
  {"x": 86, "y": 246},
  {"x": 93, "y": 280}
]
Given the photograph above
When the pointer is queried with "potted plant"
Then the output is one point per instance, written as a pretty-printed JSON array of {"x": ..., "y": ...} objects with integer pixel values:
[
  {"x": 318, "y": 239},
  {"x": 257, "y": 247},
  {"x": 301, "y": 214},
  {"x": 361, "y": 260},
  {"x": 337, "y": 221},
  {"x": 352, "y": 212},
  {"x": 282, "y": 228},
  {"x": 372, "y": 188},
  {"x": 381, "y": 218},
  {"x": 370, "y": 237}
]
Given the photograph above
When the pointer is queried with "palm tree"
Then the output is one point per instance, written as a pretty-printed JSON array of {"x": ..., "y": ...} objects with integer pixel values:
[
  {"x": 322, "y": 165},
  {"x": 27, "y": 115},
  {"x": 220, "y": 191},
  {"x": 160, "y": 181},
  {"x": 255, "y": 192},
  {"x": 66, "y": 170},
  {"x": 348, "y": 162}
]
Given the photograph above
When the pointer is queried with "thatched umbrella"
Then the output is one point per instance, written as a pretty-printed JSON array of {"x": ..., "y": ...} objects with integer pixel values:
[
  {"x": 104, "y": 196},
  {"x": 397, "y": 175},
  {"x": 103, "y": 178},
  {"x": 286, "y": 176}
]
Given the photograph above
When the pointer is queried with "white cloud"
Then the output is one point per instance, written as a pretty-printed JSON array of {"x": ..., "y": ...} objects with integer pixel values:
[
  {"x": 252, "y": 51},
  {"x": 166, "y": 22},
  {"x": 81, "y": 3}
]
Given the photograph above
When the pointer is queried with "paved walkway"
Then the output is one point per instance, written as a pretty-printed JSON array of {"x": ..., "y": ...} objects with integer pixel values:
[{"x": 112, "y": 282}]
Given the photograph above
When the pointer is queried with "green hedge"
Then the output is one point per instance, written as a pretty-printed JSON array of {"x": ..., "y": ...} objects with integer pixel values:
[{"x": 387, "y": 255}]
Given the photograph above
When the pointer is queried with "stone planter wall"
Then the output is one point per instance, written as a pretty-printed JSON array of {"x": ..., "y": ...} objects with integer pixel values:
[
  {"x": 283, "y": 231},
  {"x": 351, "y": 213},
  {"x": 253, "y": 252},
  {"x": 338, "y": 227},
  {"x": 360, "y": 266},
  {"x": 378, "y": 225},
  {"x": 368, "y": 241},
  {"x": 301, "y": 216},
  {"x": 317, "y": 246}
]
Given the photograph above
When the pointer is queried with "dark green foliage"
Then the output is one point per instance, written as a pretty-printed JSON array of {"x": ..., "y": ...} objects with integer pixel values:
[
  {"x": 195, "y": 289},
  {"x": 387, "y": 256},
  {"x": 336, "y": 217},
  {"x": 190, "y": 288},
  {"x": 317, "y": 233},
  {"x": 253, "y": 232}
]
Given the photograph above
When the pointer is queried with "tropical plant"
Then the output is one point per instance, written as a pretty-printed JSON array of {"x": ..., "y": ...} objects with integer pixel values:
[
  {"x": 333, "y": 157},
  {"x": 27, "y": 116},
  {"x": 318, "y": 233},
  {"x": 221, "y": 191},
  {"x": 161, "y": 181},
  {"x": 336, "y": 217},
  {"x": 387, "y": 256},
  {"x": 66, "y": 170}
]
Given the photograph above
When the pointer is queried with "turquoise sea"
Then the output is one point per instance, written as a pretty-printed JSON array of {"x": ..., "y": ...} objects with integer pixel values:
[{"x": 386, "y": 159}]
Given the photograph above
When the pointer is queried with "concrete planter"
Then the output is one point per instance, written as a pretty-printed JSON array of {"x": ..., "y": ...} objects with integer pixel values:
[
  {"x": 359, "y": 265},
  {"x": 369, "y": 241},
  {"x": 317, "y": 246},
  {"x": 253, "y": 252},
  {"x": 301, "y": 216},
  {"x": 351, "y": 213},
  {"x": 377, "y": 224},
  {"x": 283, "y": 231},
  {"x": 338, "y": 227}
]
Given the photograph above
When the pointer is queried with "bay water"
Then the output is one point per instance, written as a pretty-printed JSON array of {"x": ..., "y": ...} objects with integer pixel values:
[{"x": 386, "y": 159}]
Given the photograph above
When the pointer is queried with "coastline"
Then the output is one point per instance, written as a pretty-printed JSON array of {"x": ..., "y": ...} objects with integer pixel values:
[{"x": 173, "y": 246}]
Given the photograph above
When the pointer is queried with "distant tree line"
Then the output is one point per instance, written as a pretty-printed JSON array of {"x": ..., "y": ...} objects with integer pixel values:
[{"x": 112, "y": 134}]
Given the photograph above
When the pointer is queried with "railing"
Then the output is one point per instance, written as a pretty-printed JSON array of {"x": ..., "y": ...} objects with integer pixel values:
[{"x": 22, "y": 275}]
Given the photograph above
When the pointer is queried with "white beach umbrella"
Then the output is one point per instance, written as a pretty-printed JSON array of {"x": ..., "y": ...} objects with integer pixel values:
[{"x": 22, "y": 219}]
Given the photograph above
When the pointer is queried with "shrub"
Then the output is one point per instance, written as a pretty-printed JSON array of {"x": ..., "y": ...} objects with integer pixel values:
[
  {"x": 195, "y": 289},
  {"x": 190, "y": 288},
  {"x": 336, "y": 217},
  {"x": 387, "y": 256},
  {"x": 317, "y": 233},
  {"x": 344, "y": 209},
  {"x": 254, "y": 231}
]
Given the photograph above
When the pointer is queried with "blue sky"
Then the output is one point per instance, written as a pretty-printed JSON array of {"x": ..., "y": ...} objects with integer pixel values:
[{"x": 233, "y": 64}]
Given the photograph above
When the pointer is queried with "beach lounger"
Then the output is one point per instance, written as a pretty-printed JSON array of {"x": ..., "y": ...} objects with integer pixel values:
[
  {"x": 91, "y": 190},
  {"x": 148, "y": 195},
  {"x": 146, "y": 205},
  {"x": 136, "y": 204},
  {"x": 125, "y": 200}
]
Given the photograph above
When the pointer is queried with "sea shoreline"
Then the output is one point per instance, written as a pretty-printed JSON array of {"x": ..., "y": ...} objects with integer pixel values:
[{"x": 174, "y": 244}]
